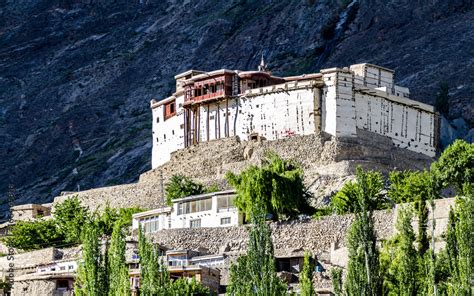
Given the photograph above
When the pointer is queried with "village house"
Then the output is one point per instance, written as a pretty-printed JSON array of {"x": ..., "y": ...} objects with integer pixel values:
[
  {"x": 181, "y": 264},
  {"x": 49, "y": 271},
  {"x": 205, "y": 210},
  {"x": 255, "y": 104},
  {"x": 28, "y": 212},
  {"x": 187, "y": 264}
]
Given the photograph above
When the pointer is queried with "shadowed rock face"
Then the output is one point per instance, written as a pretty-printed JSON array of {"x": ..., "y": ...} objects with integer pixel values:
[{"x": 76, "y": 77}]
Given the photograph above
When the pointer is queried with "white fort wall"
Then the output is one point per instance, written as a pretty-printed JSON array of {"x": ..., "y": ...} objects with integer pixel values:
[
  {"x": 408, "y": 126},
  {"x": 273, "y": 116},
  {"x": 168, "y": 135},
  {"x": 338, "y": 105}
]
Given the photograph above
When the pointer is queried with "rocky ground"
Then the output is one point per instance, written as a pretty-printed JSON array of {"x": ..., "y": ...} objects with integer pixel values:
[{"x": 76, "y": 76}]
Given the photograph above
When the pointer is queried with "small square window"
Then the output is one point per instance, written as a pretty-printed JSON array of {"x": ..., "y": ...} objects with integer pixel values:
[
  {"x": 225, "y": 220},
  {"x": 195, "y": 223},
  {"x": 157, "y": 119}
]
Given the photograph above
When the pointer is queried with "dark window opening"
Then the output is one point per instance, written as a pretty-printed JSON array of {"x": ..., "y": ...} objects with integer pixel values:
[{"x": 62, "y": 284}]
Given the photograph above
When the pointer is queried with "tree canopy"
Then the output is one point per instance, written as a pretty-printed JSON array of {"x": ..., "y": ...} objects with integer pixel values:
[
  {"x": 455, "y": 166},
  {"x": 347, "y": 199},
  {"x": 276, "y": 185},
  {"x": 181, "y": 186}
]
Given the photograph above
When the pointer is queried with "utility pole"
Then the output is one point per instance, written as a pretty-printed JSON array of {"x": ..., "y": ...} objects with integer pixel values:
[{"x": 162, "y": 189}]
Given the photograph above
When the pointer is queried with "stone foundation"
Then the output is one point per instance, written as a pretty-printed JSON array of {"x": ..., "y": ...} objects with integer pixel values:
[{"x": 327, "y": 162}]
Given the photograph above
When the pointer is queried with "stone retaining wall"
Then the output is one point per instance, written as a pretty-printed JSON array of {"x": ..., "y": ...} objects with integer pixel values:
[
  {"x": 327, "y": 162},
  {"x": 289, "y": 237}
]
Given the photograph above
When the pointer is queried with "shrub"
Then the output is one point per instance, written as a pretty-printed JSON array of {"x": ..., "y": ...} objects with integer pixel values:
[{"x": 32, "y": 235}]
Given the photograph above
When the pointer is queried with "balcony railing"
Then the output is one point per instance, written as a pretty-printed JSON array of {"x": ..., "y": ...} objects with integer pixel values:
[{"x": 205, "y": 97}]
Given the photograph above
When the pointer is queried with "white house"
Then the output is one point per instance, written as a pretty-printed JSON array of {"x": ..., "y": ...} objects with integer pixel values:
[{"x": 205, "y": 210}]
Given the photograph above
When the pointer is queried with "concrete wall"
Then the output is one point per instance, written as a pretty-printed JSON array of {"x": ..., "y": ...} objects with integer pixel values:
[{"x": 273, "y": 115}]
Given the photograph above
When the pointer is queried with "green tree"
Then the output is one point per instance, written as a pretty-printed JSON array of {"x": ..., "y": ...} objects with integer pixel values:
[
  {"x": 186, "y": 287},
  {"x": 181, "y": 186},
  {"x": 346, "y": 200},
  {"x": 71, "y": 216},
  {"x": 119, "y": 282},
  {"x": 408, "y": 186},
  {"x": 336, "y": 279},
  {"x": 363, "y": 267},
  {"x": 403, "y": 259},
  {"x": 33, "y": 235},
  {"x": 277, "y": 185},
  {"x": 460, "y": 245},
  {"x": 455, "y": 166},
  {"x": 154, "y": 275},
  {"x": 92, "y": 270},
  {"x": 306, "y": 276},
  {"x": 254, "y": 273},
  {"x": 442, "y": 98},
  {"x": 416, "y": 187}
]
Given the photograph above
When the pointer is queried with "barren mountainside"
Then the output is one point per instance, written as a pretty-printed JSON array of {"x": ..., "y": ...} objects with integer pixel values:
[{"x": 76, "y": 77}]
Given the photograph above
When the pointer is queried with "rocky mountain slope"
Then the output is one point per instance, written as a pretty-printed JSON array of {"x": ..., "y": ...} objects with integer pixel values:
[{"x": 76, "y": 76}]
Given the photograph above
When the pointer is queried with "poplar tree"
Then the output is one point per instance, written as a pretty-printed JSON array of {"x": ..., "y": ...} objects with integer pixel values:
[
  {"x": 154, "y": 275},
  {"x": 460, "y": 245},
  {"x": 306, "y": 276},
  {"x": 336, "y": 279},
  {"x": 119, "y": 278},
  {"x": 363, "y": 267},
  {"x": 91, "y": 272},
  {"x": 254, "y": 273},
  {"x": 405, "y": 263}
]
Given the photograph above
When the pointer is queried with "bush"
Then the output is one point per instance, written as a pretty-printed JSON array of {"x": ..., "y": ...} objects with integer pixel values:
[
  {"x": 32, "y": 235},
  {"x": 67, "y": 225}
]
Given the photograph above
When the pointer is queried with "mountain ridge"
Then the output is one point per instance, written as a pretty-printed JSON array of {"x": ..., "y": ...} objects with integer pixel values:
[{"x": 76, "y": 77}]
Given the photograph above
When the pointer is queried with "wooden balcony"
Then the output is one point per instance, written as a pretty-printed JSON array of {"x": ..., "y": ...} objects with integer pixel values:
[{"x": 204, "y": 98}]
